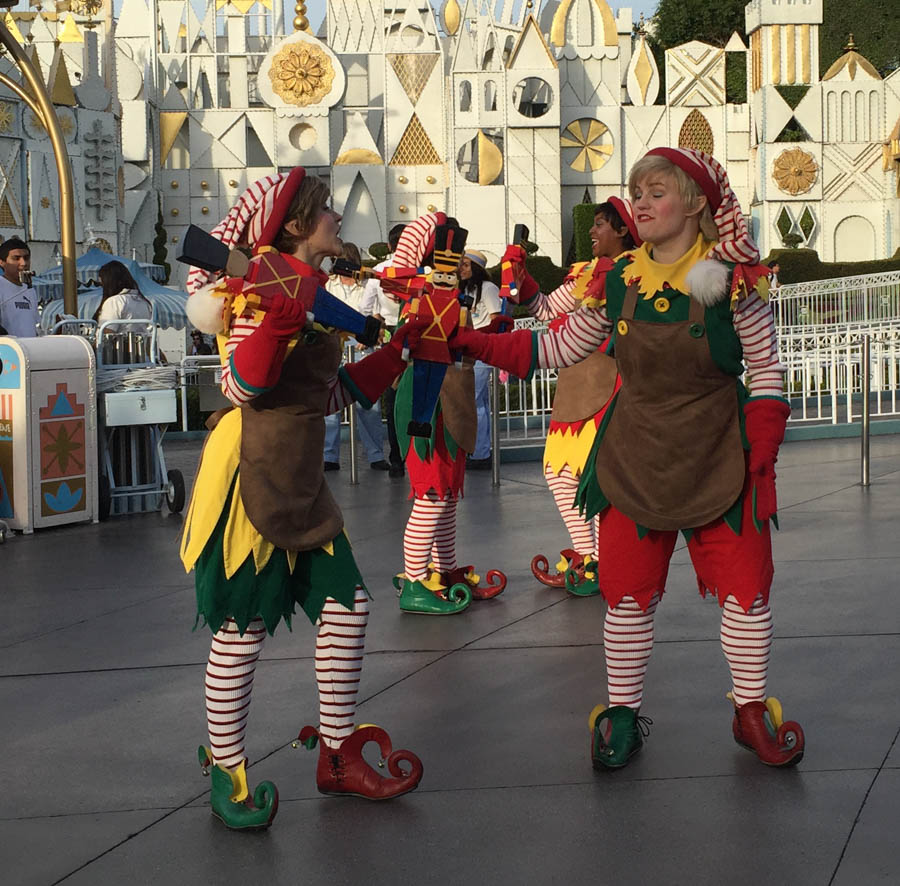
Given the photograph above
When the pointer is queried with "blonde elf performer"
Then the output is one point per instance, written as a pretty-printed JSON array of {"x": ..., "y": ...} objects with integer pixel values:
[
  {"x": 582, "y": 391},
  {"x": 263, "y": 533},
  {"x": 683, "y": 447}
]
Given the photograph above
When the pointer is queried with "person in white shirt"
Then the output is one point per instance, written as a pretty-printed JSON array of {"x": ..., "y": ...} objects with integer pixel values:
[
  {"x": 378, "y": 303},
  {"x": 18, "y": 301},
  {"x": 473, "y": 280},
  {"x": 122, "y": 300},
  {"x": 371, "y": 429}
]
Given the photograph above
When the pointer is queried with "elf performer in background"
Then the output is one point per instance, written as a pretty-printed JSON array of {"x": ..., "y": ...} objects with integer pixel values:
[
  {"x": 263, "y": 532},
  {"x": 433, "y": 582},
  {"x": 683, "y": 446},
  {"x": 583, "y": 391}
]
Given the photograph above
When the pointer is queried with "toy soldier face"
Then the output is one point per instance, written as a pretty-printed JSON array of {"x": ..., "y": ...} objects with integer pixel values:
[{"x": 444, "y": 279}]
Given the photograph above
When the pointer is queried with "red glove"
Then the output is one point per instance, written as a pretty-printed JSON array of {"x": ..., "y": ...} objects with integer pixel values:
[
  {"x": 367, "y": 379},
  {"x": 257, "y": 360},
  {"x": 513, "y": 351},
  {"x": 525, "y": 283},
  {"x": 765, "y": 421}
]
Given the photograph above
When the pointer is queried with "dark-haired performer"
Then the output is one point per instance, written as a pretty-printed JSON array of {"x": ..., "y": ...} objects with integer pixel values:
[{"x": 582, "y": 391}]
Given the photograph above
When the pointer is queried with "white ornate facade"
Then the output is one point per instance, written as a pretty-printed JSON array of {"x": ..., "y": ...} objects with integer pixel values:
[{"x": 493, "y": 111}]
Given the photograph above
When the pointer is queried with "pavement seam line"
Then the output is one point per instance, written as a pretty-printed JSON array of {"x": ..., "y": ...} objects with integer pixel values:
[{"x": 862, "y": 806}]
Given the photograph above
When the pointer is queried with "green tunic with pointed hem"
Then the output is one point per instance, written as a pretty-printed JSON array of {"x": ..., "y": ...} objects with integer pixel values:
[{"x": 274, "y": 592}]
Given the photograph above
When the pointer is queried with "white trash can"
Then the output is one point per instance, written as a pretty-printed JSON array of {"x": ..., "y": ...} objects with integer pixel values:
[{"x": 48, "y": 432}]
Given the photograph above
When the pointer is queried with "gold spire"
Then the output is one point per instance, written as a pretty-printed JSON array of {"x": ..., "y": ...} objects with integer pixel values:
[{"x": 301, "y": 22}]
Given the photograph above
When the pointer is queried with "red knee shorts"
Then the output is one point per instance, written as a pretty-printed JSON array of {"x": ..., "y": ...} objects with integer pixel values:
[{"x": 726, "y": 563}]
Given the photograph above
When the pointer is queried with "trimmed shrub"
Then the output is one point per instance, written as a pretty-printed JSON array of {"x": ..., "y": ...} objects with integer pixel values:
[{"x": 801, "y": 265}]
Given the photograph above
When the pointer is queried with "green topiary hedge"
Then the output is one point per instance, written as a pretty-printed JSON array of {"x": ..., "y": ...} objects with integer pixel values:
[
  {"x": 801, "y": 265},
  {"x": 583, "y": 219}
]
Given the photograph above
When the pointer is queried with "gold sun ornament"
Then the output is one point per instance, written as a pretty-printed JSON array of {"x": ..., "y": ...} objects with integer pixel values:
[
  {"x": 591, "y": 144},
  {"x": 301, "y": 74},
  {"x": 6, "y": 117},
  {"x": 795, "y": 171}
]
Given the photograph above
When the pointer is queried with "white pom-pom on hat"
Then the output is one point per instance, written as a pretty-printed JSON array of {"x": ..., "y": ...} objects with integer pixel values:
[
  {"x": 708, "y": 282},
  {"x": 205, "y": 309}
]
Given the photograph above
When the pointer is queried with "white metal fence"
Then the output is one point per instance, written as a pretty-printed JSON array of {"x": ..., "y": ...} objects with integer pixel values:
[
  {"x": 869, "y": 298},
  {"x": 823, "y": 359}
]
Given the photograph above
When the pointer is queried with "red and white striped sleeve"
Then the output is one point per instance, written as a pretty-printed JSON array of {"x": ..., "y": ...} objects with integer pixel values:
[
  {"x": 241, "y": 328},
  {"x": 338, "y": 397},
  {"x": 579, "y": 336},
  {"x": 754, "y": 324},
  {"x": 557, "y": 303}
]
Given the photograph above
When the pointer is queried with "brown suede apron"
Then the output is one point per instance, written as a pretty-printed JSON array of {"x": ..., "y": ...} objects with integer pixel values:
[
  {"x": 458, "y": 404},
  {"x": 584, "y": 389},
  {"x": 671, "y": 456},
  {"x": 282, "y": 440}
]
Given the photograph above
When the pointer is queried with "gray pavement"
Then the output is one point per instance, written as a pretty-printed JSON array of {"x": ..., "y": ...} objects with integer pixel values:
[{"x": 102, "y": 709}]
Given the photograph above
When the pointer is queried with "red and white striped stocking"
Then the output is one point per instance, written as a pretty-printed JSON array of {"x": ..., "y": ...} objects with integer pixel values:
[
  {"x": 628, "y": 641},
  {"x": 443, "y": 548},
  {"x": 229, "y": 683},
  {"x": 746, "y": 641},
  {"x": 339, "y": 657},
  {"x": 564, "y": 486},
  {"x": 420, "y": 535}
]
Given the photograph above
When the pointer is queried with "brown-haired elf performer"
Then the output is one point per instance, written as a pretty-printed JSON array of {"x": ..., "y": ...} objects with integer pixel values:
[{"x": 263, "y": 532}]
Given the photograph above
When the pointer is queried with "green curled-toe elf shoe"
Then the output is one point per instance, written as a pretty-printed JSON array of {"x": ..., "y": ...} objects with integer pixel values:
[
  {"x": 583, "y": 581},
  {"x": 424, "y": 599},
  {"x": 617, "y": 734},
  {"x": 230, "y": 797}
]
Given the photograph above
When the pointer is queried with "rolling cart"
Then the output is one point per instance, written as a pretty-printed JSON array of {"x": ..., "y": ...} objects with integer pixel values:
[{"x": 136, "y": 401}]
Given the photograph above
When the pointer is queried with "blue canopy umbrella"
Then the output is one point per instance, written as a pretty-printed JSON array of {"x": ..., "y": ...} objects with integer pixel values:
[{"x": 168, "y": 304}]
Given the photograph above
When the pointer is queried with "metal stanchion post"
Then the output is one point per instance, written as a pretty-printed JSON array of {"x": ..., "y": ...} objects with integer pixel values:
[
  {"x": 354, "y": 470},
  {"x": 495, "y": 427},
  {"x": 866, "y": 384}
]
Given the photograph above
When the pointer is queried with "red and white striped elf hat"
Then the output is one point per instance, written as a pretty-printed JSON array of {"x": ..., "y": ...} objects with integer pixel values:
[
  {"x": 255, "y": 219},
  {"x": 735, "y": 243},
  {"x": 626, "y": 213},
  {"x": 417, "y": 240}
]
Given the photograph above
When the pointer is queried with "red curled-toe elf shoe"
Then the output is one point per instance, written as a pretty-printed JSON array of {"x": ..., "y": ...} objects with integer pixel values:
[
  {"x": 496, "y": 581},
  {"x": 342, "y": 771},
  {"x": 568, "y": 559},
  {"x": 759, "y": 727}
]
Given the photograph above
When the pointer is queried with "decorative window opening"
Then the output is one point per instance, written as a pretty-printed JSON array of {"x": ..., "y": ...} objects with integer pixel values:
[
  {"x": 532, "y": 97},
  {"x": 490, "y": 95},
  {"x": 465, "y": 96}
]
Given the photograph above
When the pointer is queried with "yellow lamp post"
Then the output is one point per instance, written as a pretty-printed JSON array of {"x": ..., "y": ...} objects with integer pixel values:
[{"x": 33, "y": 91}]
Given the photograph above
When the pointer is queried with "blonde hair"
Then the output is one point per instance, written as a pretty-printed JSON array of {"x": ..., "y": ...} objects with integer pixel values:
[
  {"x": 311, "y": 196},
  {"x": 688, "y": 189}
]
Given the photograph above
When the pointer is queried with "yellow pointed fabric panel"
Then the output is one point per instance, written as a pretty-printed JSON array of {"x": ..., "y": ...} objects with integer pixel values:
[
  {"x": 238, "y": 539},
  {"x": 221, "y": 457},
  {"x": 262, "y": 551}
]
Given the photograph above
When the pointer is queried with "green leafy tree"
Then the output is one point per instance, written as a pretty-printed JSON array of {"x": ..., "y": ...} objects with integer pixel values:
[
  {"x": 160, "y": 252},
  {"x": 680, "y": 21},
  {"x": 875, "y": 29}
]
